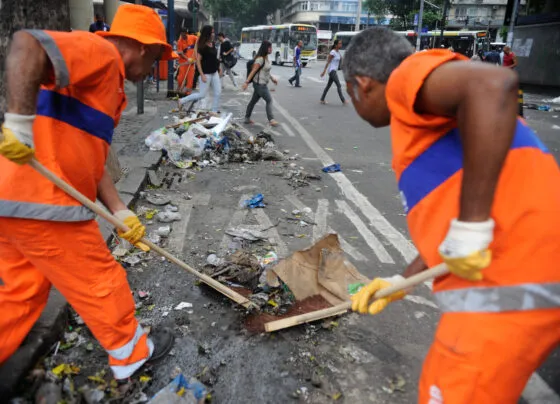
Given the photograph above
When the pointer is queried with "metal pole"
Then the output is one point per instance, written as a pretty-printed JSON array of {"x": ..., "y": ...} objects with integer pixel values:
[
  {"x": 359, "y": 15},
  {"x": 512, "y": 23},
  {"x": 419, "y": 38},
  {"x": 170, "y": 39},
  {"x": 139, "y": 88},
  {"x": 445, "y": 5}
]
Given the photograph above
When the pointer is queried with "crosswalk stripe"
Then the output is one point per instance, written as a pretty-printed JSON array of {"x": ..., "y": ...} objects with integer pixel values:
[
  {"x": 366, "y": 233},
  {"x": 264, "y": 221},
  {"x": 237, "y": 218},
  {"x": 347, "y": 247},
  {"x": 538, "y": 392},
  {"x": 320, "y": 227},
  {"x": 177, "y": 236},
  {"x": 288, "y": 130}
]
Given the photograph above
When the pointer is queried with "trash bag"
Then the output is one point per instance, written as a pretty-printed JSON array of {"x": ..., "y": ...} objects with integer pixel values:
[
  {"x": 157, "y": 140},
  {"x": 181, "y": 391}
]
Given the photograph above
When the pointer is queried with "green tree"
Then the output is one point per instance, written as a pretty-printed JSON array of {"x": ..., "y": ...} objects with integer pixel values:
[
  {"x": 245, "y": 12},
  {"x": 403, "y": 12},
  {"x": 377, "y": 8}
]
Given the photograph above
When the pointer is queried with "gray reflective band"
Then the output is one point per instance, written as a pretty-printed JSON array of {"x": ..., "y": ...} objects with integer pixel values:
[
  {"x": 527, "y": 296},
  {"x": 62, "y": 77},
  {"x": 43, "y": 211}
]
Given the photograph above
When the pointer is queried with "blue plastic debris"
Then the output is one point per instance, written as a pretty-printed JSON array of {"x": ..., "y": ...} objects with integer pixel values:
[
  {"x": 256, "y": 201},
  {"x": 333, "y": 168},
  {"x": 181, "y": 391}
]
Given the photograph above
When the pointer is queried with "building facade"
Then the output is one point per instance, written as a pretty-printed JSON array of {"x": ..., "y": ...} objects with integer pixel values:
[
  {"x": 477, "y": 14},
  {"x": 332, "y": 15}
]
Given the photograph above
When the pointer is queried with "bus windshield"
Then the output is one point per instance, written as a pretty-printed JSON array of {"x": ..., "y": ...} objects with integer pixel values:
[
  {"x": 306, "y": 34},
  {"x": 345, "y": 40}
]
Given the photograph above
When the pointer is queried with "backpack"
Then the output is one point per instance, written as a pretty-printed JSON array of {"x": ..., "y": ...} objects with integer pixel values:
[
  {"x": 230, "y": 60},
  {"x": 250, "y": 64}
]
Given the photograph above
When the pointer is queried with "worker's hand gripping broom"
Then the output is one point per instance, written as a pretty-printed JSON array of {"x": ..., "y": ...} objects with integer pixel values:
[{"x": 236, "y": 297}]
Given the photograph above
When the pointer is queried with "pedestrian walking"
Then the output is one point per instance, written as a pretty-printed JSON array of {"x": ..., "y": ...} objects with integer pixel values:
[
  {"x": 209, "y": 70},
  {"x": 510, "y": 59},
  {"x": 62, "y": 109},
  {"x": 459, "y": 164},
  {"x": 297, "y": 64},
  {"x": 99, "y": 24},
  {"x": 332, "y": 66},
  {"x": 260, "y": 76},
  {"x": 227, "y": 58}
]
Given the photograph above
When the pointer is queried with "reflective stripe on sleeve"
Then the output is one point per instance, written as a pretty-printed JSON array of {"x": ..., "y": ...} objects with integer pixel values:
[
  {"x": 43, "y": 211},
  {"x": 528, "y": 296},
  {"x": 126, "y": 350},
  {"x": 62, "y": 76},
  {"x": 123, "y": 372}
]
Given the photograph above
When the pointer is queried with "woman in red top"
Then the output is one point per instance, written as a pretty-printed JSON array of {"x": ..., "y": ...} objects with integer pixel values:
[{"x": 510, "y": 60}]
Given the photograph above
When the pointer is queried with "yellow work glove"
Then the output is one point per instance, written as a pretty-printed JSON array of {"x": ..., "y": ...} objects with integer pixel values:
[
  {"x": 465, "y": 248},
  {"x": 361, "y": 300},
  {"x": 16, "y": 140},
  {"x": 137, "y": 229}
]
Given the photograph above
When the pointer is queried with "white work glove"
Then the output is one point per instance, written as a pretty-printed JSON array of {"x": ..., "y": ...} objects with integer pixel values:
[
  {"x": 16, "y": 139},
  {"x": 465, "y": 248}
]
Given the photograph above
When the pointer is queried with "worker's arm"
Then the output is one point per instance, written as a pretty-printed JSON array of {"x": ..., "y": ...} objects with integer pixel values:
[
  {"x": 514, "y": 62},
  {"x": 329, "y": 59},
  {"x": 108, "y": 195},
  {"x": 27, "y": 67},
  {"x": 483, "y": 99}
]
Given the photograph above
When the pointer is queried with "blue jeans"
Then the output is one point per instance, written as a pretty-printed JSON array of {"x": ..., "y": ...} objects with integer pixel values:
[
  {"x": 296, "y": 76},
  {"x": 211, "y": 80}
]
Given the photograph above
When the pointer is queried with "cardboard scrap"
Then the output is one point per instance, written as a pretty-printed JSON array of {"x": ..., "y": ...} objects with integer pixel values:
[{"x": 321, "y": 269}]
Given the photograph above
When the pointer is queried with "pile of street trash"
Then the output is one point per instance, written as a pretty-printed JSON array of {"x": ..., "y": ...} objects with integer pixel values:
[
  {"x": 205, "y": 139},
  {"x": 246, "y": 273}
]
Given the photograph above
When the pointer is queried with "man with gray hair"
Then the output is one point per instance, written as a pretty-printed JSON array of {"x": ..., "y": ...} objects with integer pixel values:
[{"x": 461, "y": 156}]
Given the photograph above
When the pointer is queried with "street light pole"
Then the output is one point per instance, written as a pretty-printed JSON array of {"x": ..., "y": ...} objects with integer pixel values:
[
  {"x": 170, "y": 39},
  {"x": 445, "y": 5},
  {"x": 359, "y": 16},
  {"x": 509, "y": 40},
  {"x": 140, "y": 88},
  {"x": 419, "y": 38}
]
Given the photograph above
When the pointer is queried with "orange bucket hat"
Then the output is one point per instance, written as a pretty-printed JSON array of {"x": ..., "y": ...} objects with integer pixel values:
[{"x": 142, "y": 24}]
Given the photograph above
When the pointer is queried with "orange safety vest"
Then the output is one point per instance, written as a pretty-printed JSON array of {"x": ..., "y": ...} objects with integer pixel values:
[
  {"x": 77, "y": 111},
  {"x": 427, "y": 160}
]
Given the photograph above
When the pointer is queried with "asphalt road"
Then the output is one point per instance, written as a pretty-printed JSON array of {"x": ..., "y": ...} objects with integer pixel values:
[{"x": 335, "y": 133}]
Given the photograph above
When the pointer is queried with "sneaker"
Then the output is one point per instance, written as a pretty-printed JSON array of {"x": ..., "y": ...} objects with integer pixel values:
[
  {"x": 273, "y": 123},
  {"x": 298, "y": 86},
  {"x": 248, "y": 121},
  {"x": 163, "y": 340}
]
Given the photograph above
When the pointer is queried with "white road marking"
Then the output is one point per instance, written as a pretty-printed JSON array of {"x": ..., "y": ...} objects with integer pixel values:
[
  {"x": 377, "y": 220},
  {"x": 274, "y": 237},
  {"x": 315, "y": 79},
  {"x": 237, "y": 218},
  {"x": 538, "y": 392},
  {"x": 274, "y": 132},
  {"x": 349, "y": 249},
  {"x": 366, "y": 233},
  {"x": 287, "y": 128},
  {"x": 178, "y": 235},
  {"x": 320, "y": 227}
]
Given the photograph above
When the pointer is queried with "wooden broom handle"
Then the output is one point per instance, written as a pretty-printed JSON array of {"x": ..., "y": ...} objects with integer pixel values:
[
  {"x": 233, "y": 295},
  {"x": 341, "y": 308}
]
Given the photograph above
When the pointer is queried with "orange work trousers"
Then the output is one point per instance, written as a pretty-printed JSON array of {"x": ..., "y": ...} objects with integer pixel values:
[
  {"x": 74, "y": 258},
  {"x": 487, "y": 358},
  {"x": 185, "y": 77}
]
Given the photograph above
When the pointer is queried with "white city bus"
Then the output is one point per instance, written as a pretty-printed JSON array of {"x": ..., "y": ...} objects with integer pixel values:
[
  {"x": 283, "y": 38},
  {"x": 345, "y": 37}
]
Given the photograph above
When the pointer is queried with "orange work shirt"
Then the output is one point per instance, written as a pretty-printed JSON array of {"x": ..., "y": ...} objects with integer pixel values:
[
  {"x": 428, "y": 159},
  {"x": 77, "y": 110}
]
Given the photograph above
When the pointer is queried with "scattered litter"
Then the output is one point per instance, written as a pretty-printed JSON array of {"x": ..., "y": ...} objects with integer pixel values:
[
  {"x": 143, "y": 294},
  {"x": 119, "y": 251},
  {"x": 303, "y": 223},
  {"x": 419, "y": 314},
  {"x": 165, "y": 117},
  {"x": 171, "y": 208},
  {"x": 307, "y": 210},
  {"x": 556, "y": 127},
  {"x": 270, "y": 258},
  {"x": 333, "y": 168},
  {"x": 168, "y": 217},
  {"x": 145, "y": 379},
  {"x": 213, "y": 259},
  {"x": 246, "y": 234},
  {"x": 65, "y": 370},
  {"x": 183, "y": 305},
  {"x": 181, "y": 391},
  {"x": 154, "y": 238},
  {"x": 396, "y": 383},
  {"x": 358, "y": 171},
  {"x": 150, "y": 213},
  {"x": 132, "y": 260},
  {"x": 296, "y": 212},
  {"x": 158, "y": 200},
  {"x": 92, "y": 396},
  {"x": 354, "y": 288},
  {"x": 329, "y": 149},
  {"x": 256, "y": 201},
  {"x": 164, "y": 231}
]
